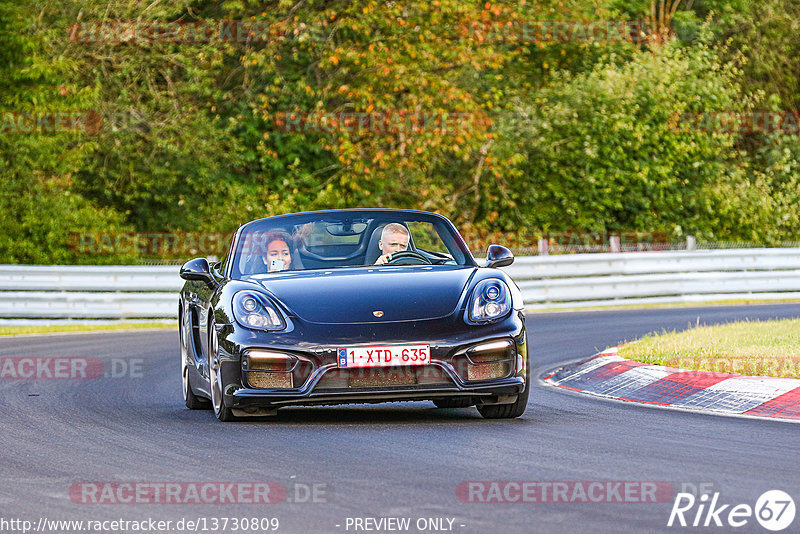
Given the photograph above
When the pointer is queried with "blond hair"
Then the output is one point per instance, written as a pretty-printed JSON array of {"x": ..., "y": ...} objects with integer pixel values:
[{"x": 394, "y": 228}]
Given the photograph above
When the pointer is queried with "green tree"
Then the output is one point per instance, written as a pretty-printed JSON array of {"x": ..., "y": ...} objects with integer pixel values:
[
  {"x": 39, "y": 211},
  {"x": 608, "y": 150}
]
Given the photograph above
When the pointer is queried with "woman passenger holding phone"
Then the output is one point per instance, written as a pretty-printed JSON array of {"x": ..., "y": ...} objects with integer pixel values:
[{"x": 278, "y": 256}]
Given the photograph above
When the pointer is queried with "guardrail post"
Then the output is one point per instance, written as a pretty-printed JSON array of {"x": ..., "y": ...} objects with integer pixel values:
[
  {"x": 544, "y": 247},
  {"x": 613, "y": 241},
  {"x": 691, "y": 242}
]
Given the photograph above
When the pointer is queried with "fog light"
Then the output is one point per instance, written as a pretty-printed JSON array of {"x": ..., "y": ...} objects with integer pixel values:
[
  {"x": 276, "y": 362},
  {"x": 491, "y": 360},
  {"x": 269, "y": 370}
]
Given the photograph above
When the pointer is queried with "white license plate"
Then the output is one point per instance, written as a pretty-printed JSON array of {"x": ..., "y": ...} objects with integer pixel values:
[{"x": 384, "y": 356}]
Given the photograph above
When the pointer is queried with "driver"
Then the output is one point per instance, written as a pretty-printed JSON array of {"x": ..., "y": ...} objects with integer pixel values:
[{"x": 394, "y": 238}]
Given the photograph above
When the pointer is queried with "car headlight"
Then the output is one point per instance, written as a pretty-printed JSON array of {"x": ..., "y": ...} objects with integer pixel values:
[
  {"x": 254, "y": 310},
  {"x": 491, "y": 300}
]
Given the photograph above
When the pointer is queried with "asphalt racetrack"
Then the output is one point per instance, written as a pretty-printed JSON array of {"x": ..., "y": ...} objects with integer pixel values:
[{"x": 377, "y": 461}]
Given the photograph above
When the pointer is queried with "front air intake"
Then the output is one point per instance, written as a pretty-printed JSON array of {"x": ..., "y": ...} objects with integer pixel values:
[{"x": 486, "y": 361}]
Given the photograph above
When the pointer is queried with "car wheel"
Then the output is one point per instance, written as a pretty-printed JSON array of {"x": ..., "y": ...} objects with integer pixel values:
[
  {"x": 515, "y": 409},
  {"x": 454, "y": 403},
  {"x": 222, "y": 412},
  {"x": 192, "y": 401}
]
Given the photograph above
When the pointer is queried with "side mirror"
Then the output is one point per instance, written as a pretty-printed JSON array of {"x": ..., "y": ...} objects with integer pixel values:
[
  {"x": 197, "y": 269},
  {"x": 498, "y": 256}
]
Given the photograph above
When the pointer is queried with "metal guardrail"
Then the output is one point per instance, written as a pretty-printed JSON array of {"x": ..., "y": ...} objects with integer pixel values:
[
  {"x": 126, "y": 292},
  {"x": 89, "y": 278},
  {"x": 89, "y": 292},
  {"x": 657, "y": 277}
]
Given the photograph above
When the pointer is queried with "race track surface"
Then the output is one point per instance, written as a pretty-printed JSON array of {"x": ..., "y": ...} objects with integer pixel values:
[{"x": 390, "y": 460}]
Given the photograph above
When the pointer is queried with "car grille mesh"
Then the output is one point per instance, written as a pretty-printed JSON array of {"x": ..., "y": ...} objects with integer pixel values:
[
  {"x": 270, "y": 380},
  {"x": 371, "y": 377}
]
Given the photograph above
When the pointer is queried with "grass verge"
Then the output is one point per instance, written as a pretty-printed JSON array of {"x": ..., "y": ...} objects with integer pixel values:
[
  {"x": 58, "y": 328},
  {"x": 759, "y": 348}
]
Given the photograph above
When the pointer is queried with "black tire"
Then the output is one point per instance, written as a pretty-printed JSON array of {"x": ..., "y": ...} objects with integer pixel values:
[
  {"x": 192, "y": 401},
  {"x": 222, "y": 412},
  {"x": 454, "y": 403},
  {"x": 515, "y": 409}
]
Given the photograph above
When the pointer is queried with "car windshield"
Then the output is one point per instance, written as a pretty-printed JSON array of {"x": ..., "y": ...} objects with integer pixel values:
[{"x": 346, "y": 238}]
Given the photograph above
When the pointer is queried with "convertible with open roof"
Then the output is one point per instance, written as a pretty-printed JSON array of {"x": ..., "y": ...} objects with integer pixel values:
[{"x": 352, "y": 306}]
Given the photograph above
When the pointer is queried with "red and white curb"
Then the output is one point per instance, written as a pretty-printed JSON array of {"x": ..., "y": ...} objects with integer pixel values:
[{"x": 609, "y": 375}]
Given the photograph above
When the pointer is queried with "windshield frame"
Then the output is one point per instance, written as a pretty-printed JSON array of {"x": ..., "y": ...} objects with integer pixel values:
[{"x": 232, "y": 273}]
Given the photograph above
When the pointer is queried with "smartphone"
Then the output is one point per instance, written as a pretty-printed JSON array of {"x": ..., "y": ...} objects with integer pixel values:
[{"x": 276, "y": 265}]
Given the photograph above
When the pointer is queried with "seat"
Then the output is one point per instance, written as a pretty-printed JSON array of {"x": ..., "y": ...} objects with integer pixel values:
[
  {"x": 297, "y": 260},
  {"x": 373, "y": 252}
]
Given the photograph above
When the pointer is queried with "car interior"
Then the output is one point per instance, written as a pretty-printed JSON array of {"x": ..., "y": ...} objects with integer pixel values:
[{"x": 331, "y": 244}]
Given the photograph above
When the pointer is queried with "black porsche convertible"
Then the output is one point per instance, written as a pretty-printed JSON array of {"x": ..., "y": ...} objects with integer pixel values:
[{"x": 352, "y": 306}]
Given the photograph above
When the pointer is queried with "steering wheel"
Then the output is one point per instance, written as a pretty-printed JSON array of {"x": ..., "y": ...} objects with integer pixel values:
[{"x": 408, "y": 257}]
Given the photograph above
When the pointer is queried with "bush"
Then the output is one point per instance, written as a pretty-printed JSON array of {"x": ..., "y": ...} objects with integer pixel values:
[{"x": 607, "y": 150}]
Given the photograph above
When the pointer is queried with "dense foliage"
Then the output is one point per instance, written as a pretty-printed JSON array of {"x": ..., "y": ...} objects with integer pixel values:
[{"x": 486, "y": 112}]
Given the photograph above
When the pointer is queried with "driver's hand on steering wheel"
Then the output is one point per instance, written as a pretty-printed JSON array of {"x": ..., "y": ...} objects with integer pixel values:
[{"x": 383, "y": 259}]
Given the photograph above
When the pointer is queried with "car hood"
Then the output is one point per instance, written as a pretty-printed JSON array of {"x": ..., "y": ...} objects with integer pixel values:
[{"x": 356, "y": 295}]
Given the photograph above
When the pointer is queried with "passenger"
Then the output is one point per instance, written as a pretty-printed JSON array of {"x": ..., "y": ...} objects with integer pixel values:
[
  {"x": 278, "y": 254},
  {"x": 394, "y": 238}
]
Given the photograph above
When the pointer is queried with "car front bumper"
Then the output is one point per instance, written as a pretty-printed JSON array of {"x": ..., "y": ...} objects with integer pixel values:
[
  {"x": 327, "y": 384},
  {"x": 488, "y": 392}
]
